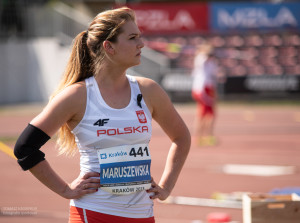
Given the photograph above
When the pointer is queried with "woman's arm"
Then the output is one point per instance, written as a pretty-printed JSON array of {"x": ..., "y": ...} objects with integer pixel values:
[
  {"x": 82, "y": 185},
  {"x": 170, "y": 121},
  {"x": 66, "y": 107}
]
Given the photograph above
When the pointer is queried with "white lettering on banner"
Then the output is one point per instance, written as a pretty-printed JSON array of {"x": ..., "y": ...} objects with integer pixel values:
[
  {"x": 184, "y": 19},
  {"x": 287, "y": 17},
  {"x": 271, "y": 83},
  {"x": 160, "y": 20},
  {"x": 126, "y": 171},
  {"x": 255, "y": 18}
]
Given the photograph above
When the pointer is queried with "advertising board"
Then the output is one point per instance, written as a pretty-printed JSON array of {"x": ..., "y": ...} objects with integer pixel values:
[
  {"x": 260, "y": 16},
  {"x": 162, "y": 18}
]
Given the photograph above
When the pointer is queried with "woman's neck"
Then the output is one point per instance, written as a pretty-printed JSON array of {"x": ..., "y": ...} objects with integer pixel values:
[
  {"x": 114, "y": 87},
  {"x": 111, "y": 75}
]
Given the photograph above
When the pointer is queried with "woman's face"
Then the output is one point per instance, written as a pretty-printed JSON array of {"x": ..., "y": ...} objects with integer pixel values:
[{"x": 128, "y": 45}]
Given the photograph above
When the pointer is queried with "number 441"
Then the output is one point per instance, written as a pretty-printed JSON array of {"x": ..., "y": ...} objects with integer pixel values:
[{"x": 140, "y": 152}]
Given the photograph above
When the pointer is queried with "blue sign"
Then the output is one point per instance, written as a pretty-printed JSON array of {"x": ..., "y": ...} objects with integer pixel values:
[
  {"x": 243, "y": 16},
  {"x": 125, "y": 172}
]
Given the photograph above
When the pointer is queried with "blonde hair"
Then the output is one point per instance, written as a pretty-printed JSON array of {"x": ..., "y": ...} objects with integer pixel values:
[{"x": 85, "y": 59}]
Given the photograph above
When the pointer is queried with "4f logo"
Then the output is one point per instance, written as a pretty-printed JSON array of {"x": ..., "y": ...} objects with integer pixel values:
[
  {"x": 101, "y": 122},
  {"x": 141, "y": 116}
]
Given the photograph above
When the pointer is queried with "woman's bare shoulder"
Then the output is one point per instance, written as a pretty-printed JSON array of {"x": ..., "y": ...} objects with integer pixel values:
[
  {"x": 146, "y": 83},
  {"x": 73, "y": 93},
  {"x": 64, "y": 107},
  {"x": 71, "y": 99}
]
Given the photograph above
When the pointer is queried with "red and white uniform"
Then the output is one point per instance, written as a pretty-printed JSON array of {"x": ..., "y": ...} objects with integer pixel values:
[{"x": 104, "y": 127}]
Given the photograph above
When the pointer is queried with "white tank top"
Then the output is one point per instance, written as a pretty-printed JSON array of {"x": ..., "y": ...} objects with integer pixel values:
[
  {"x": 104, "y": 127},
  {"x": 204, "y": 73}
]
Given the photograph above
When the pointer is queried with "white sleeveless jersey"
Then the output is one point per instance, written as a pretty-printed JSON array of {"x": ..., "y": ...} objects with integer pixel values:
[
  {"x": 204, "y": 73},
  {"x": 103, "y": 127}
]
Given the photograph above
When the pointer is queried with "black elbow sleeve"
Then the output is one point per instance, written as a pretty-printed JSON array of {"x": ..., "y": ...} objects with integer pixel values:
[{"x": 27, "y": 148}]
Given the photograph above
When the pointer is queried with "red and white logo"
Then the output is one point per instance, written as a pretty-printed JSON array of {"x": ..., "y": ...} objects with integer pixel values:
[{"x": 141, "y": 116}]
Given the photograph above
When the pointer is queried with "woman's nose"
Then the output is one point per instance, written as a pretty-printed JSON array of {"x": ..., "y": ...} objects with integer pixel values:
[{"x": 141, "y": 43}]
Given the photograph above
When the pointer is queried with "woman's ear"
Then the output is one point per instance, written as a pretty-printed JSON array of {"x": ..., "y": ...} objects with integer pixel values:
[{"x": 108, "y": 47}]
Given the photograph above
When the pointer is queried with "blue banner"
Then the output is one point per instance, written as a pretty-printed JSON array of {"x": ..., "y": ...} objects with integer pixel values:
[
  {"x": 259, "y": 16},
  {"x": 124, "y": 172}
]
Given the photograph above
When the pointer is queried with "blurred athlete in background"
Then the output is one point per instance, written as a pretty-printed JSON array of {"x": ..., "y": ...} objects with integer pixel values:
[
  {"x": 106, "y": 115},
  {"x": 205, "y": 94}
]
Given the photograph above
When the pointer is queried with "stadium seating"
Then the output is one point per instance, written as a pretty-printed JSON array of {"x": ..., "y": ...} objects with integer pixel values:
[{"x": 242, "y": 54}]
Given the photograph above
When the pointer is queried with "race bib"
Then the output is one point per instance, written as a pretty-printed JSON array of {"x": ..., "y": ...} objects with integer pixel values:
[{"x": 125, "y": 169}]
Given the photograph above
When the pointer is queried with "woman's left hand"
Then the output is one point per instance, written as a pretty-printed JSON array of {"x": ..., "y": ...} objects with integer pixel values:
[{"x": 157, "y": 191}]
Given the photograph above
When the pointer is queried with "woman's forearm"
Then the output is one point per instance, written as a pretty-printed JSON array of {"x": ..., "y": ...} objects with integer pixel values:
[
  {"x": 177, "y": 155},
  {"x": 86, "y": 184},
  {"x": 45, "y": 174}
]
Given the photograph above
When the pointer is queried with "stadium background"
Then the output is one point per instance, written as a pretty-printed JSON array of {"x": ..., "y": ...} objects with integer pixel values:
[{"x": 257, "y": 46}]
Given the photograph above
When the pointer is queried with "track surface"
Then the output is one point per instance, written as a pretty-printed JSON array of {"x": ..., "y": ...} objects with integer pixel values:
[{"x": 247, "y": 134}]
